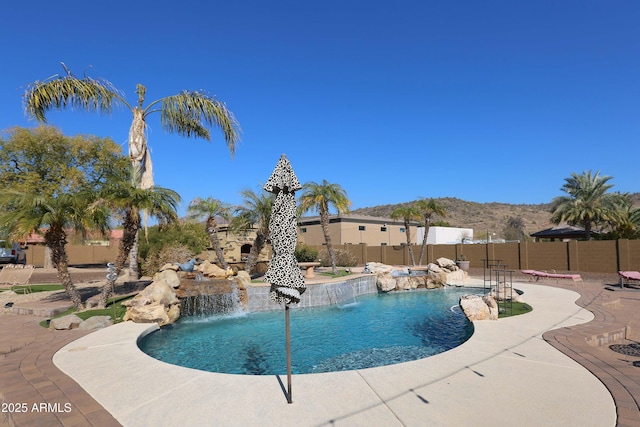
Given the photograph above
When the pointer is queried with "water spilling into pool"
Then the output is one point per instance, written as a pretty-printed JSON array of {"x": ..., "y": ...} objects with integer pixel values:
[{"x": 368, "y": 331}]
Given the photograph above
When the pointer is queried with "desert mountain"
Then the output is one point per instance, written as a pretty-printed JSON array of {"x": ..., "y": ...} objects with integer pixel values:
[{"x": 483, "y": 217}]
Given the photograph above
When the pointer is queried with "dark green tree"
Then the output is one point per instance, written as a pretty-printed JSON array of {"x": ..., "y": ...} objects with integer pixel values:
[
  {"x": 587, "y": 202},
  {"x": 209, "y": 209},
  {"x": 22, "y": 213},
  {"x": 319, "y": 197},
  {"x": 407, "y": 213},
  {"x": 255, "y": 213},
  {"x": 428, "y": 208},
  {"x": 123, "y": 195}
]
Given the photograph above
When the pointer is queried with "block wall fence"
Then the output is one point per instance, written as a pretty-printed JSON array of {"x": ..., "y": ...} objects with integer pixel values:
[
  {"x": 600, "y": 256},
  {"x": 605, "y": 256}
]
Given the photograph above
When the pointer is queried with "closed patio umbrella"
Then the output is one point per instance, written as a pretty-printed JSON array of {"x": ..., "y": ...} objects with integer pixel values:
[{"x": 284, "y": 275}]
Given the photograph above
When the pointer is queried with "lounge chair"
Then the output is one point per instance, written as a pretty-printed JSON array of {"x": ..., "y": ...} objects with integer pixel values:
[
  {"x": 543, "y": 274},
  {"x": 627, "y": 276}
]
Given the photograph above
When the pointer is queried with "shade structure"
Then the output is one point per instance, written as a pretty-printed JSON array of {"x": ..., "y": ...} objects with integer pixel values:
[{"x": 284, "y": 274}]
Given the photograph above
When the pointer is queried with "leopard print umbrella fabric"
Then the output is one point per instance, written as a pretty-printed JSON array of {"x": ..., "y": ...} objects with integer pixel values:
[{"x": 284, "y": 275}]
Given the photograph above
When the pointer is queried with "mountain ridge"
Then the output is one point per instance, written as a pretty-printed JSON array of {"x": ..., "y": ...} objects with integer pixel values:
[{"x": 483, "y": 218}]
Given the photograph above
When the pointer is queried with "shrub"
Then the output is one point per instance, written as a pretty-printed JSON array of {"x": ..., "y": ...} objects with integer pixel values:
[
  {"x": 170, "y": 253},
  {"x": 344, "y": 258},
  {"x": 305, "y": 253}
]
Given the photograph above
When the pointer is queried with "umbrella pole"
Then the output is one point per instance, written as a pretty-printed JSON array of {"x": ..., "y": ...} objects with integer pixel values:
[{"x": 288, "y": 334}]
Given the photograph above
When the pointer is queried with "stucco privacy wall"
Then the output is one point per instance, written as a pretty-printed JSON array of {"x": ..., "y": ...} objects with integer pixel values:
[{"x": 606, "y": 256}]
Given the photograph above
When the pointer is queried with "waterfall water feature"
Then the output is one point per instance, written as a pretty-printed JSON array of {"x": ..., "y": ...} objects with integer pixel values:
[
  {"x": 201, "y": 297},
  {"x": 341, "y": 293}
]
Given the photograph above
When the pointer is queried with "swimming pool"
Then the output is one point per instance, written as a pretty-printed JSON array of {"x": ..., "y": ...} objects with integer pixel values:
[{"x": 374, "y": 330}]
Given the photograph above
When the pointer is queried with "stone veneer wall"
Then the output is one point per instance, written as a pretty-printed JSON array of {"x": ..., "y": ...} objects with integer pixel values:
[{"x": 317, "y": 294}]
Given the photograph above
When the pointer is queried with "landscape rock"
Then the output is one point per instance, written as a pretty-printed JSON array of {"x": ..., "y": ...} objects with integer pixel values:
[
  {"x": 169, "y": 266},
  {"x": 169, "y": 276},
  {"x": 477, "y": 307},
  {"x": 96, "y": 322},
  {"x": 243, "y": 279},
  {"x": 389, "y": 278},
  {"x": 156, "y": 303},
  {"x": 447, "y": 264},
  {"x": 212, "y": 270},
  {"x": 434, "y": 268},
  {"x": 506, "y": 293},
  {"x": 65, "y": 322}
]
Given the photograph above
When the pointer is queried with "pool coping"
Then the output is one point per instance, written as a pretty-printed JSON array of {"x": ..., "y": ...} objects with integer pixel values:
[{"x": 504, "y": 371}]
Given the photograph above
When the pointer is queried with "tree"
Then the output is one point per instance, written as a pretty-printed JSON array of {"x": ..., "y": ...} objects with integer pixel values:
[
  {"x": 208, "y": 209},
  {"x": 319, "y": 197},
  {"x": 123, "y": 195},
  {"x": 627, "y": 224},
  {"x": 514, "y": 229},
  {"x": 43, "y": 161},
  {"x": 187, "y": 114},
  {"x": 427, "y": 208},
  {"x": 255, "y": 212},
  {"x": 22, "y": 213},
  {"x": 407, "y": 213},
  {"x": 587, "y": 202},
  {"x": 182, "y": 234}
]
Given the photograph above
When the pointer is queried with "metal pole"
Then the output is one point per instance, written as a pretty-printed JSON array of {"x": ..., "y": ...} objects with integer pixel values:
[{"x": 288, "y": 334}]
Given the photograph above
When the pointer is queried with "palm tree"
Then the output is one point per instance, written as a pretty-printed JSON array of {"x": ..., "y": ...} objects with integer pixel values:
[
  {"x": 209, "y": 209},
  {"x": 187, "y": 114},
  {"x": 318, "y": 197},
  {"x": 587, "y": 203},
  {"x": 24, "y": 213},
  {"x": 255, "y": 212},
  {"x": 407, "y": 213},
  {"x": 634, "y": 217},
  {"x": 427, "y": 208},
  {"x": 123, "y": 195}
]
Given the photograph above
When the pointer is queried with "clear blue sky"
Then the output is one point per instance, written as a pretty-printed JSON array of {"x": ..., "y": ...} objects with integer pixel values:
[{"x": 495, "y": 100}]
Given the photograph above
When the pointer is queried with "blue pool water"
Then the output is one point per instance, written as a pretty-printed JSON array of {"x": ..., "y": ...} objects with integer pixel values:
[{"x": 375, "y": 330}]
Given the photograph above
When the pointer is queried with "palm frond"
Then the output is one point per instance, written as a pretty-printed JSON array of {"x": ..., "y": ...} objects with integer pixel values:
[
  {"x": 189, "y": 114},
  {"x": 60, "y": 92}
]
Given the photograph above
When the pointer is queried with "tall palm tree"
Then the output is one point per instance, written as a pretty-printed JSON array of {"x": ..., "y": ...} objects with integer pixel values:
[
  {"x": 187, "y": 113},
  {"x": 123, "y": 195},
  {"x": 407, "y": 213},
  {"x": 208, "y": 209},
  {"x": 255, "y": 212},
  {"x": 427, "y": 208},
  {"x": 318, "y": 197},
  {"x": 587, "y": 202},
  {"x": 23, "y": 213}
]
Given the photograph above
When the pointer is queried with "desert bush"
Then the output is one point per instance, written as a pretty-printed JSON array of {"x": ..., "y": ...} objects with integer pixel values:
[
  {"x": 305, "y": 253},
  {"x": 170, "y": 253},
  {"x": 344, "y": 258},
  {"x": 190, "y": 234}
]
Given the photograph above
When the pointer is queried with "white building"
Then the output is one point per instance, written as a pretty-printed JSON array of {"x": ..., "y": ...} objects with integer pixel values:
[{"x": 445, "y": 235}]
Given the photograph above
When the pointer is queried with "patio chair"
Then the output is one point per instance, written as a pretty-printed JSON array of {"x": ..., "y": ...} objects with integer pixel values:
[
  {"x": 628, "y": 276},
  {"x": 543, "y": 274}
]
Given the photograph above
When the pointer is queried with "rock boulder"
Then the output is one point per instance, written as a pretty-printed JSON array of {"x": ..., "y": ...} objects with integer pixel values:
[
  {"x": 65, "y": 322},
  {"x": 390, "y": 278},
  {"x": 96, "y": 322},
  {"x": 156, "y": 303},
  {"x": 477, "y": 307}
]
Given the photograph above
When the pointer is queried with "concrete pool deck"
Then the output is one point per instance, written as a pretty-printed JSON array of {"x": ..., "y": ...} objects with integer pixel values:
[{"x": 506, "y": 371}]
